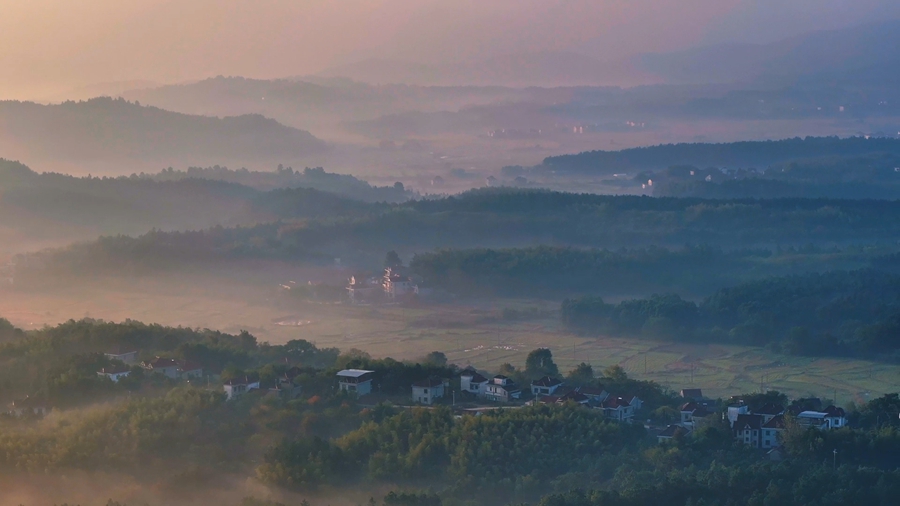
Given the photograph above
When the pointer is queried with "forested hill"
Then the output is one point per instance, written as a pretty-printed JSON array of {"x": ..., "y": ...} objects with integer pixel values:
[
  {"x": 103, "y": 129},
  {"x": 510, "y": 218},
  {"x": 735, "y": 154},
  {"x": 83, "y": 207}
]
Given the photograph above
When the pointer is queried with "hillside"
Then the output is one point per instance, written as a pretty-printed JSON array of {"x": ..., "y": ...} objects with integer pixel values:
[
  {"x": 734, "y": 154},
  {"x": 103, "y": 130}
]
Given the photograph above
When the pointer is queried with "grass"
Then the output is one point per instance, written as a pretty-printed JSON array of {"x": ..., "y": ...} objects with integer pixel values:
[{"x": 469, "y": 334}]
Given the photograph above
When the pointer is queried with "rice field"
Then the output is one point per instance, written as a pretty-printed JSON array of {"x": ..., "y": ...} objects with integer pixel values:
[{"x": 470, "y": 334}]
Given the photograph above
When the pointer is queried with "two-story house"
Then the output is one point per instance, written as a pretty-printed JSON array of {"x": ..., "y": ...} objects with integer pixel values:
[
  {"x": 617, "y": 408},
  {"x": 122, "y": 354},
  {"x": 358, "y": 381},
  {"x": 770, "y": 431},
  {"x": 545, "y": 386},
  {"x": 472, "y": 382},
  {"x": 748, "y": 429},
  {"x": 168, "y": 367},
  {"x": 502, "y": 389},
  {"x": 237, "y": 387},
  {"x": 429, "y": 390}
]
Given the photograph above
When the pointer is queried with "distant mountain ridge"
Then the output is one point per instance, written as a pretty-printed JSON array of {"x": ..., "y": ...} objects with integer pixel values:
[{"x": 106, "y": 128}]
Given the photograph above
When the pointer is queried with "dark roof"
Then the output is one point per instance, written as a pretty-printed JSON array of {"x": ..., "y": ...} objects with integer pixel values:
[
  {"x": 672, "y": 431},
  {"x": 243, "y": 380},
  {"x": 546, "y": 381},
  {"x": 190, "y": 366},
  {"x": 501, "y": 377},
  {"x": 692, "y": 393},
  {"x": 476, "y": 378},
  {"x": 615, "y": 403},
  {"x": 689, "y": 406},
  {"x": 160, "y": 362},
  {"x": 293, "y": 372},
  {"x": 832, "y": 411},
  {"x": 777, "y": 422},
  {"x": 575, "y": 396},
  {"x": 592, "y": 391},
  {"x": 549, "y": 399},
  {"x": 114, "y": 369},
  {"x": 119, "y": 349},
  {"x": 429, "y": 383},
  {"x": 770, "y": 409},
  {"x": 748, "y": 422}
]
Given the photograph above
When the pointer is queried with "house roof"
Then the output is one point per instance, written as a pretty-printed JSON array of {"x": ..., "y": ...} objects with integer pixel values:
[
  {"x": 692, "y": 393},
  {"x": 500, "y": 377},
  {"x": 833, "y": 411},
  {"x": 546, "y": 381},
  {"x": 777, "y": 422},
  {"x": 476, "y": 378},
  {"x": 615, "y": 403},
  {"x": 114, "y": 369},
  {"x": 119, "y": 349},
  {"x": 160, "y": 362},
  {"x": 592, "y": 391},
  {"x": 549, "y": 399},
  {"x": 689, "y": 407},
  {"x": 770, "y": 409},
  {"x": 575, "y": 396},
  {"x": 744, "y": 421},
  {"x": 190, "y": 366},
  {"x": 673, "y": 430},
  {"x": 429, "y": 383},
  {"x": 818, "y": 415},
  {"x": 27, "y": 402},
  {"x": 353, "y": 373}
]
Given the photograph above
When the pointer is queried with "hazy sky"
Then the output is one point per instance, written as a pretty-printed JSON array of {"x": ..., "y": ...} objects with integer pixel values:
[{"x": 52, "y": 45}]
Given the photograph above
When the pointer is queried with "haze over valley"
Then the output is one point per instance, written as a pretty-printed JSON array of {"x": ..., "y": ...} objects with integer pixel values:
[{"x": 434, "y": 253}]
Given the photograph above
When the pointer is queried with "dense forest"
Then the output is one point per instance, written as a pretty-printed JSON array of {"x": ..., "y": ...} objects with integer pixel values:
[
  {"x": 47, "y": 204},
  {"x": 734, "y": 154},
  {"x": 874, "y": 176},
  {"x": 316, "y": 178},
  {"x": 835, "y": 313},
  {"x": 326, "y": 441},
  {"x": 500, "y": 218},
  {"x": 551, "y": 272}
]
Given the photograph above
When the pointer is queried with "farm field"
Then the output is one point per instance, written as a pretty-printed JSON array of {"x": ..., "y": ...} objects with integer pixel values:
[{"x": 469, "y": 334}]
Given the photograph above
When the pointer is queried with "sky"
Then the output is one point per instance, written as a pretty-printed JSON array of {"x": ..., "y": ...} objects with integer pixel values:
[{"x": 49, "y": 46}]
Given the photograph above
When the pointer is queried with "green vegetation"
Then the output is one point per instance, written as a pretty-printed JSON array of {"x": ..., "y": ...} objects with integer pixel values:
[
  {"x": 836, "y": 313},
  {"x": 734, "y": 154}
]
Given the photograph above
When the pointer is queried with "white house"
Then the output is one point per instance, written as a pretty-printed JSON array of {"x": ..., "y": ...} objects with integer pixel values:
[
  {"x": 770, "y": 431},
  {"x": 122, "y": 354},
  {"x": 115, "y": 372},
  {"x": 237, "y": 387},
  {"x": 27, "y": 406},
  {"x": 502, "y": 389},
  {"x": 188, "y": 370},
  {"x": 618, "y": 408},
  {"x": 358, "y": 381},
  {"x": 736, "y": 410},
  {"x": 398, "y": 284},
  {"x": 428, "y": 391},
  {"x": 545, "y": 386},
  {"x": 748, "y": 429},
  {"x": 831, "y": 418},
  {"x": 595, "y": 394},
  {"x": 472, "y": 382},
  {"x": 166, "y": 366}
]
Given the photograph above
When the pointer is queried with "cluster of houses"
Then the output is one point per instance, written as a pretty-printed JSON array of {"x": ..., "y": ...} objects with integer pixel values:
[
  {"x": 475, "y": 386},
  {"x": 168, "y": 367},
  {"x": 283, "y": 386},
  {"x": 758, "y": 428},
  {"x": 396, "y": 284}
]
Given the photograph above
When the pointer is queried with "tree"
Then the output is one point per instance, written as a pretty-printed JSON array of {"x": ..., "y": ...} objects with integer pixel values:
[
  {"x": 436, "y": 358},
  {"x": 581, "y": 375},
  {"x": 615, "y": 372},
  {"x": 392, "y": 259},
  {"x": 540, "y": 363}
]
